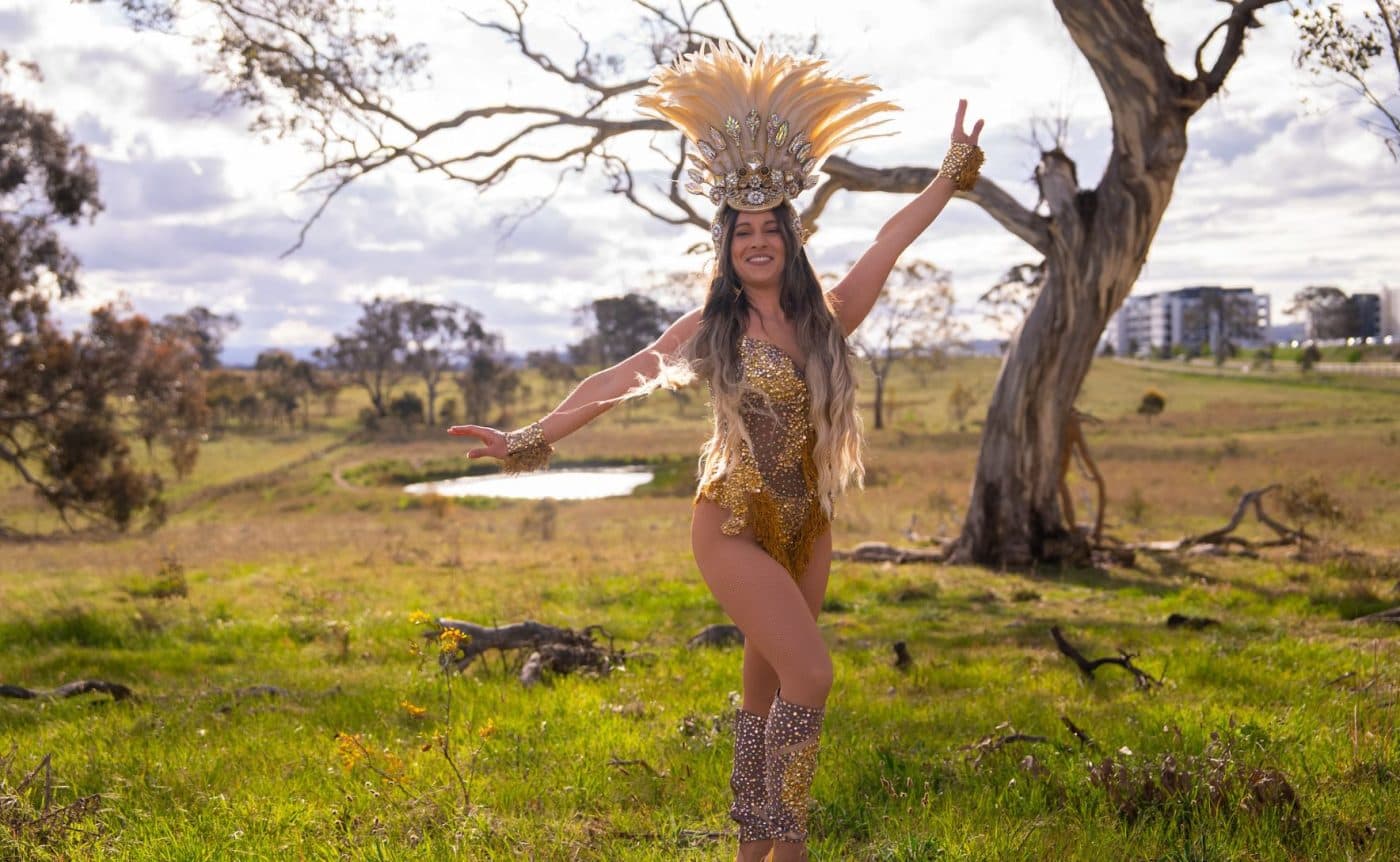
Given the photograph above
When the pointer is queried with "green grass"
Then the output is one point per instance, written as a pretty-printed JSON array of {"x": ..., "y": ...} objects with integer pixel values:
[{"x": 303, "y": 583}]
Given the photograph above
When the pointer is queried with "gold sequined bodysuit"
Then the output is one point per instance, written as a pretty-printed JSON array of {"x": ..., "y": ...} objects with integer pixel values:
[{"x": 773, "y": 487}]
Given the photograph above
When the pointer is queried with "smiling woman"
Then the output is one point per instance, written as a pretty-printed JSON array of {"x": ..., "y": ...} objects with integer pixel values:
[{"x": 771, "y": 346}]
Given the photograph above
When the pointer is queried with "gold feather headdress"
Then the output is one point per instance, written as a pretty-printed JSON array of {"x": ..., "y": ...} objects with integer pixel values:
[{"x": 719, "y": 100}]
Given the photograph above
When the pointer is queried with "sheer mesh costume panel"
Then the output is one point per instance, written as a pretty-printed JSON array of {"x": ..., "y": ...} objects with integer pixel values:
[{"x": 773, "y": 487}]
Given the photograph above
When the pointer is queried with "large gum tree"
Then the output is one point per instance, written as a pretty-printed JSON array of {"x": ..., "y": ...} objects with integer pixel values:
[{"x": 326, "y": 69}]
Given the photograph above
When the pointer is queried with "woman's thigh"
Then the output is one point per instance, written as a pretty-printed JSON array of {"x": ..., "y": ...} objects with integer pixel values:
[{"x": 774, "y": 613}]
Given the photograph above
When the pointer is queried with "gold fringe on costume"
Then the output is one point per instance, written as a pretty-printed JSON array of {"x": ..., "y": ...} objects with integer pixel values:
[{"x": 775, "y": 534}]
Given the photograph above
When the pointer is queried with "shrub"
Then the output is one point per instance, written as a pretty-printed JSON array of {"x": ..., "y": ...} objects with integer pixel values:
[
  {"x": 408, "y": 409},
  {"x": 1135, "y": 507},
  {"x": 1309, "y": 357},
  {"x": 167, "y": 583},
  {"x": 1152, "y": 403},
  {"x": 540, "y": 520},
  {"x": 960, "y": 402},
  {"x": 1308, "y": 501}
]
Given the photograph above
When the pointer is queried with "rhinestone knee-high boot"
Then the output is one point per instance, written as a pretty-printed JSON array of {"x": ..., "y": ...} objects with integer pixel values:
[
  {"x": 790, "y": 751},
  {"x": 749, "y": 809}
]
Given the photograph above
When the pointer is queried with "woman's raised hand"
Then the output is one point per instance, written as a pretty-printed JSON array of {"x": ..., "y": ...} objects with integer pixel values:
[
  {"x": 961, "y": 136},
  {"x": 494, "y": 441}
]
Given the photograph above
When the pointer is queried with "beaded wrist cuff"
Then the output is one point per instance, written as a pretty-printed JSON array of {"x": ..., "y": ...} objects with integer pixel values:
[
  {"x": 961, "y": 165},
  {"x": 526, "y": 450}
]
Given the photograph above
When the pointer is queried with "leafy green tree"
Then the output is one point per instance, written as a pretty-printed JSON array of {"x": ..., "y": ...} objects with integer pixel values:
[
  {"x": 203, "y": 330},
  {"x": 913, "y": 317},
  {"x": 488, "y": 383},
  {"x": 371, "y": 356},
  {"x": 436, "y": 336},
  {"x": 621, "y": 326},
  {"x": 68, "y": 401},
  {"x": 287, "y": 384},
  {"x": 1329, "y": 313}
]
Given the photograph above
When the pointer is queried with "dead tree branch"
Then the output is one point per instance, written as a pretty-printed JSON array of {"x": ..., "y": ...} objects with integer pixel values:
[
  {"x": 68, "y": 689},
  {"x": 1250, "y": 499},
  {"x": 1087, "y": 667},
  {"x": 992, "y": 743},
  {"x": 1078, "y": 734}
]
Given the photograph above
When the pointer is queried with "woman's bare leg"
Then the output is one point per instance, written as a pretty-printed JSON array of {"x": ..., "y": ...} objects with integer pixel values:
[
  {"x": 760, "y": 679},
  {"x": 766, "y": 604},
  {"x": 782, "y": 644}
]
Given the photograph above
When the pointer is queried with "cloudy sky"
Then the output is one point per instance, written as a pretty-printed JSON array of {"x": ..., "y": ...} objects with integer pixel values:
[{"x": 1282, "y": 188}]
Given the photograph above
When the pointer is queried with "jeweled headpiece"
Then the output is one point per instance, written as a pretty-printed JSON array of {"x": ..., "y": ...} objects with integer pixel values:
[{"x": 762, "y": 125}]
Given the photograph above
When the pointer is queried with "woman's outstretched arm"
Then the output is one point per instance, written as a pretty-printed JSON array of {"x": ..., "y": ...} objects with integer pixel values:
[
  {"x": 595, "y": 395},
  {"x": 856, "y": 294}
]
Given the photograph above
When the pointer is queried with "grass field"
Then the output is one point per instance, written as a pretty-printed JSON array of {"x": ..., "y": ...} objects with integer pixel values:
[{"x": 287, "y": 707}]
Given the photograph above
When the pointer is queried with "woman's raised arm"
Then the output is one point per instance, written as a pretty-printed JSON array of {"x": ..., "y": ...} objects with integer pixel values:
[
  {"x": 853, "y": 298},
  {"x": 594, "y": 396}
]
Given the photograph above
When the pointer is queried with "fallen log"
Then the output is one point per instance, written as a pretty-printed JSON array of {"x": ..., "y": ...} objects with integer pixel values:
[
  {"x": 559, "y": 650},
  {"x": 1086, "y": 666},
  {"x": 879, "y": 552},
  {"x": 1181, "y": 621},
  {"x": 1390, "y": 616},
  {"x": 68, "y": 689}
]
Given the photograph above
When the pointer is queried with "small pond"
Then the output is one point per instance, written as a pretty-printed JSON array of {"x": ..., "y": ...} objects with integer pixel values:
[{"x": 582, "y": 484}]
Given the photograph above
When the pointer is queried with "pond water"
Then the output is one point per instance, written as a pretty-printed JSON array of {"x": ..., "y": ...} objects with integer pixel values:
[{"x": 587, "y": 484}]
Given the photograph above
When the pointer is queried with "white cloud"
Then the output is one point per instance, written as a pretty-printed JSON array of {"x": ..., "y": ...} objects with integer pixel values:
[
  {"x": 1274, "y": 193},
  {"x": 298, "y": 333}
]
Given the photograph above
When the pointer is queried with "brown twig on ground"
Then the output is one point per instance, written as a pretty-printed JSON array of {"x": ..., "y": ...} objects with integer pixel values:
[
  {"x": 68, "y": 689},
  {"x": 1286, "y": 535},
  {"x": 1078, "y": 734},
  {"x": 879, "y": 552},
  {"x": 992, "y": 743},
  {"x": 618, "y": 762},
  {"x": 1124, "y": 660}
]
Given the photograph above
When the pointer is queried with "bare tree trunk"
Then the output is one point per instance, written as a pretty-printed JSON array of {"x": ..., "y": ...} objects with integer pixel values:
[{"x": 1098, "y": 242}]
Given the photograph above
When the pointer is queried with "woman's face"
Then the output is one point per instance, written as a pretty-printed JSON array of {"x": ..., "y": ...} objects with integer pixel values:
[{"x": 757, "y": 252}]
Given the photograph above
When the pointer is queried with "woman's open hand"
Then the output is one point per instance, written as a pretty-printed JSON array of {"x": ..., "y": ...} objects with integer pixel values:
[
  {"x": 494, "y": 441},
  {"x": 961, "y": 136}
]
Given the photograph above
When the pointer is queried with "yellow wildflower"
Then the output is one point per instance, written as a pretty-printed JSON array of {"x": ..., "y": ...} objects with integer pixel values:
[
  {"x": 394, "y": 767},
  {"x": 420, "y": 618},
  {"x": 350, "y": 748},
  {"x": 413, "y": 709},
  {"x": 450, "y": 640},
  {"x": 486, "y": 729}
]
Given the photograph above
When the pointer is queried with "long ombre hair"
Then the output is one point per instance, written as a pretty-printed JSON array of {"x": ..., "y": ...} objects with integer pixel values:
[{"x": 713, "y": 355}]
